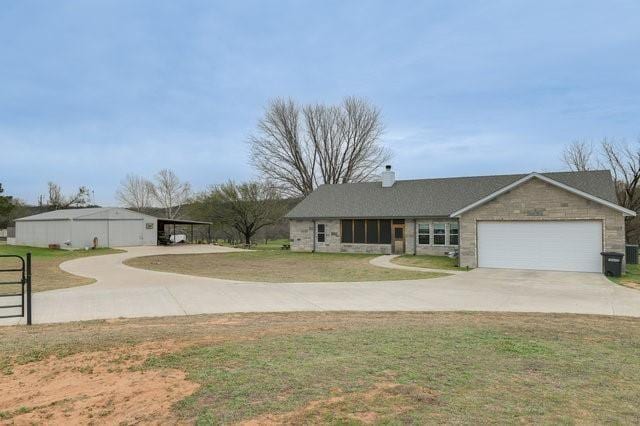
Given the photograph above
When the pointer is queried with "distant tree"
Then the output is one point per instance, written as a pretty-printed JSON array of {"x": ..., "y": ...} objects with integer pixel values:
[
  {"x": 298, "y": 148},
  {"x": 578, "y": 155},
  {"x": 58, "y": 201},
  {"x": 170, "y": 192},
  {"x": 135, "y": 192},
  {"x": 6, "y": 208},
  {"x": 245, "y": 207}
]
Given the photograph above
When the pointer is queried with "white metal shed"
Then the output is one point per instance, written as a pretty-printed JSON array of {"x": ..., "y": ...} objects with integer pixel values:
[{"x": 76, "y": 228}]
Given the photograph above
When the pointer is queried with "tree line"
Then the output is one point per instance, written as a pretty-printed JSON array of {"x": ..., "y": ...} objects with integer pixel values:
[{"x": 297, "y": 147}]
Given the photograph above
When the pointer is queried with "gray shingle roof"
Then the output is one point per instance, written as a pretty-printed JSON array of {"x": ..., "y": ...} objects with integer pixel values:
[
  {"x": 81, "y": 213},
  {"x": 429, "y": 197}
]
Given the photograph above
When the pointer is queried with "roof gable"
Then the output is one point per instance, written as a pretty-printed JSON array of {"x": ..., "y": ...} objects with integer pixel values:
[{"x": 548, "y": 180}]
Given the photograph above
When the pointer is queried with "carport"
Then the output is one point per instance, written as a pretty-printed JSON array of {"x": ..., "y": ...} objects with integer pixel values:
[{"x": 193, "y": 229}]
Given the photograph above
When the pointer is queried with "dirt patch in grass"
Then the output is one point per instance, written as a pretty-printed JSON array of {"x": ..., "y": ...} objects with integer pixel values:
[
  {"x": 332, "y": 367},
  {"x": 383, "y": 402},
  {"x": 631, "y": 278},
  {"x": 102, "y": 387},
  {"x": 45, "y": 268},
  {"x": 424, "y": 261},
  {"x": 277, "y": 266}
]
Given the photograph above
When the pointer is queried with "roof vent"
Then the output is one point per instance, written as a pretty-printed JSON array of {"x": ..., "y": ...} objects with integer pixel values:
[{"x": 388, "y": 177}]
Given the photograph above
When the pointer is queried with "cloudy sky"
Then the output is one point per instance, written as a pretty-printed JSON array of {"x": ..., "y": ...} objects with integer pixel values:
[{"x": 92, "y": 90}]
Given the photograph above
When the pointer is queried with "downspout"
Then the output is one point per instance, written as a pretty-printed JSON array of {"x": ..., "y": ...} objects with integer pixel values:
[
  {"x": 313, "y": 250},
  {"x": 415, "y": 237}
]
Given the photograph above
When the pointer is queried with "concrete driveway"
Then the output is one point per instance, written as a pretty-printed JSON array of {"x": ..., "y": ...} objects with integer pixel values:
[{"x": 122, "y": 291}]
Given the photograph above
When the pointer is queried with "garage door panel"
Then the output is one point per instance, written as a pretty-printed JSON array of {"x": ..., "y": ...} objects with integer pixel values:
[{"x": 545, "y": 245}]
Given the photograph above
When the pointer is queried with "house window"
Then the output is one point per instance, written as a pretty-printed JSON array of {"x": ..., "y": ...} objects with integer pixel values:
[
  {"x": 439, "y": 234},
  {"x": 320, "y": 235},
  {"x": 385, "y": 231},
  {"x": 359, "y": 231},
  {"x": 423, "y": 233},
  {"x": 347, "y": 231},
  {"x": 370, "y": 231},
  {"x": 454, "y": 232}
]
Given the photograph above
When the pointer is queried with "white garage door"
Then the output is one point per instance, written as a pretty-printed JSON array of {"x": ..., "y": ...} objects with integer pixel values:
[{"x": 550, "y": 245}]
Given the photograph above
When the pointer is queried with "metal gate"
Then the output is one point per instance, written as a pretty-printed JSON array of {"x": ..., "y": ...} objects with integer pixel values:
[{"x": 24, "y": 271}]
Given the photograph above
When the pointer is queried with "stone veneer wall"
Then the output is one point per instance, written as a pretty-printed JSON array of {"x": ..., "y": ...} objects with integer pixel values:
[
  {"x": 301, "y": 238},
  {"x": 537, "y": 200}
]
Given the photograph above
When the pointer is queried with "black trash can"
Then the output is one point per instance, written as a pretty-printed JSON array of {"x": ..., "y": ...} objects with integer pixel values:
[
  {"x": 612, "y": 263},
  {"x": 631, "y": 253}
]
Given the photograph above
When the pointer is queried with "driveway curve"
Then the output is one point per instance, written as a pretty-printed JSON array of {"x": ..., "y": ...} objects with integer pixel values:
[{"x": 123, "y": 291}]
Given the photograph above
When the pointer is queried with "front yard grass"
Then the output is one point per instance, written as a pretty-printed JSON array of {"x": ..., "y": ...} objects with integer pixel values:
[
  {"x": 335, "y": 368},
  {"x": 631, "y": 278},
  {"x": 277, "y": 266},
  {"x": 425, "y": 261},
  {"x": 46, "y": 273}
]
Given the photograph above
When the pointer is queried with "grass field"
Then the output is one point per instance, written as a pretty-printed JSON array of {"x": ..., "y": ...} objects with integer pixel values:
[
  {"x": 336, "y": 368},
  {"x": 277, "y": 266},
  {"x": 46, "y": 274},
  {"x": 424, "y": 261}
]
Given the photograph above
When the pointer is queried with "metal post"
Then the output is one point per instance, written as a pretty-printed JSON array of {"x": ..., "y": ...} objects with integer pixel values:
[
  {"x": 192, "y": 239},
  {"x": 28, "y": 288},
  {"x": 209, "y": 233}
]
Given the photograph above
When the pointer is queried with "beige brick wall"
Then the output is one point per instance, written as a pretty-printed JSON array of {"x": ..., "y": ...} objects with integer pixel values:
[
  {"x": 301, "y": 237},
  {"x": 538, "y": 200}
]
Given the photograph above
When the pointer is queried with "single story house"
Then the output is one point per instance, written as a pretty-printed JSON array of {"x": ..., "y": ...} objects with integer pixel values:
[
  {"x": 77, "y": 228},
  {"x": 547, "y": 221}
]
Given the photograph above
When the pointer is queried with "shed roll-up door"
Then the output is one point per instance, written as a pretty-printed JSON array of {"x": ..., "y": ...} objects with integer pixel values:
[{"x": 544, "y": 245}]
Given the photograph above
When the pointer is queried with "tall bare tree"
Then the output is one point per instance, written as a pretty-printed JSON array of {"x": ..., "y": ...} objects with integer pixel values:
[
  {"x": 246, "y": 207},
  {"x": 57, "y": 200},
  {"x": 299, "y": 148},
  {"x": 135, "y": 192},
  {"x": 623, "y": 160},
  {"x": 170, "y": 192}
]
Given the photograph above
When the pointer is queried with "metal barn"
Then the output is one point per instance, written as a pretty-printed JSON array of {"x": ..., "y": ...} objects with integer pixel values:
[{"x": 77, "y": 228}]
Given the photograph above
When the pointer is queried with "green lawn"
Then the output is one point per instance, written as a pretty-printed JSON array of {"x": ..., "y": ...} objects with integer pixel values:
[
  {"x": 424, "y": 261},
  {"x": 330, "y": 368},
  {"x": 277, "y": 266},
  {"x": 46, "y": 274},
  {"x": 271, "y": 244}
]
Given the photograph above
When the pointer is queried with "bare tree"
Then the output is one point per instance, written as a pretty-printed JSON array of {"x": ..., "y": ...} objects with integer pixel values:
[
  {"x": 246, "y": 207},
  {"x": 298, "y": 148},
  {"x": 623, "y": 160},
  {"x": 135, "y": 192},
  {"x": 170, "y": 193},
  {"x": 578, "y": 155},
  {"x": 57, "y": 200}
]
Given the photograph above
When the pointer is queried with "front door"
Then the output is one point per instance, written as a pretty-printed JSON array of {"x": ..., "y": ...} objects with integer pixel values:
[{"x": 398, "y": 239}]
